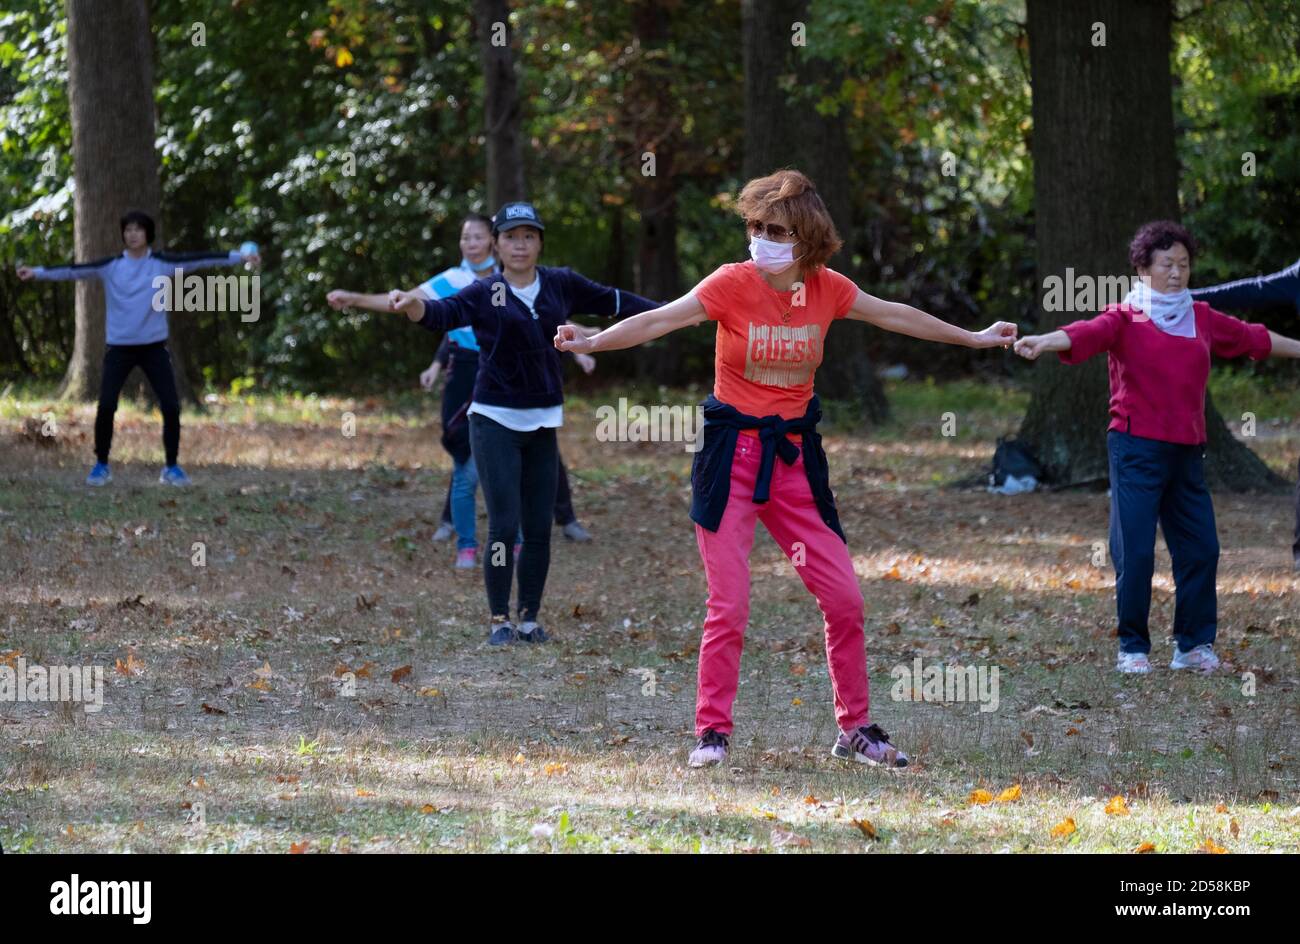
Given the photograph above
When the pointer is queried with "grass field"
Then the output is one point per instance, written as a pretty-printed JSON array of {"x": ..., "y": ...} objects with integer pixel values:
[{"x": 225, "y": 726}]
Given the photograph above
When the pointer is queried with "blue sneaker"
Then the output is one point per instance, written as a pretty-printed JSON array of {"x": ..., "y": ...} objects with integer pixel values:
[
  {"x": 99, "y": 475},
  {"x": 502, "y": 633},
  {"x": 531, "y": 631},
  {"x": 173, "y": 475}
]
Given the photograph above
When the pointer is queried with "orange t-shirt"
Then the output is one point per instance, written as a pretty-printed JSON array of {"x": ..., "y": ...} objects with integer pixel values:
[{"x": 770, "y": 343}]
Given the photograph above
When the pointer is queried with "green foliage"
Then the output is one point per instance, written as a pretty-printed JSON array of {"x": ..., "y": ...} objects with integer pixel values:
[{"x": 346, "y": 138}]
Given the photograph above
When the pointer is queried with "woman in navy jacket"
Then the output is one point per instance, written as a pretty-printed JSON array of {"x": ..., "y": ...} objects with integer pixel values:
[{"x": 518, "y": 400}]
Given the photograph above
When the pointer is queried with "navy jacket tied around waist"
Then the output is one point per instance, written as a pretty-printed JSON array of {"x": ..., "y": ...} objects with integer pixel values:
[{"x": 711, "y": 467}]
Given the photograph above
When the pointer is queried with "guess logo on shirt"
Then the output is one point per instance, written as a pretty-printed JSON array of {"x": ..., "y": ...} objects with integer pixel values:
[{"x": 783, "y": 355}]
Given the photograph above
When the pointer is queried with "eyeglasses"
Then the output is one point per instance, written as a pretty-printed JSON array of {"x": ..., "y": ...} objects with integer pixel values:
[{"x": 771, "y": 230}]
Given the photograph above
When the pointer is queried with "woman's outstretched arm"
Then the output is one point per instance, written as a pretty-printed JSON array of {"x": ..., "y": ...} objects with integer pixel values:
[
  {"x": 1032, "y": 345},
  {"x": 638, "y": 329},
  {"x": 904, "y": 319},
  {"x": 341, "y": 298},
  {"x": 1283, "y": 346}
]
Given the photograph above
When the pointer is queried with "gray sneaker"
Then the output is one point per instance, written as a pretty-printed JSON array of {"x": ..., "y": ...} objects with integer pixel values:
[
  {"x": 1132, "y": 663},
  {"x": 444, "y": 533},
  {"x": 576, "y": 532},
  {"x": 1201, "y": 658}
]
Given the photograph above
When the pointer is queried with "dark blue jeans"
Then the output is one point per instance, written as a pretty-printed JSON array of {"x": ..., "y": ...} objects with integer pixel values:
[{"x": 1160, "y": 482}]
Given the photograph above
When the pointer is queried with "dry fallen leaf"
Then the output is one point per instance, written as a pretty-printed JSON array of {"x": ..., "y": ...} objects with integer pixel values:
[
  {"x": 1065, "y": 827},
  {"x": 298, "y": 848},
  {"x": 1117, "y": 806},
  {"x": 401, "y": 673},
  {"x": 132, "y": 665},
  {"x": 1145, "y": 848},
  {"x": 864, "y": 825},
  {"x": 1010, "y": 794},
  {"x": 980, "y": 797},
  {"x": 1210, "y": 847},
  {"x": 782, "y": 838}
]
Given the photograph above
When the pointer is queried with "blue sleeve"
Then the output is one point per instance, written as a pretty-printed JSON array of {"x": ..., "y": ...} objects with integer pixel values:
[
  {"x": 189, "y": 261},
  {"x": 74, "y": 270},
  {"x": 1280, "y": 288},
  {"x": 455, "y": 311},
  {"x": 592, "y": 298}
]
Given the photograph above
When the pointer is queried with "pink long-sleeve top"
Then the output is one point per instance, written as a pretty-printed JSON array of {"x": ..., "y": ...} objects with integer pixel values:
[{"x": 1157, "y": 380}]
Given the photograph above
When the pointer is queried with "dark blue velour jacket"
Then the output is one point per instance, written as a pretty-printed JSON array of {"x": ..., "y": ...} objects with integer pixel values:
[
  {"x": 1279, "y": 288},
  {"x": 711, "y": 467},
  {"x": 518, "y": 364}
]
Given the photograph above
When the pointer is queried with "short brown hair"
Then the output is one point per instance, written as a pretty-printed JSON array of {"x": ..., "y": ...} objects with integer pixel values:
[
  {"x": 1157, "y": 235},
  {"x": 791, "y": 193}
]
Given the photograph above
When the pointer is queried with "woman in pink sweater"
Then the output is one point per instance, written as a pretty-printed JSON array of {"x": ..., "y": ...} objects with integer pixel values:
[{"x": 1160, "y": 341}]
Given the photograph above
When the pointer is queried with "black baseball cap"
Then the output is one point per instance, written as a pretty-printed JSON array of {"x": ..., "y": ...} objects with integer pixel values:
[{"x": 516, "y": 214}]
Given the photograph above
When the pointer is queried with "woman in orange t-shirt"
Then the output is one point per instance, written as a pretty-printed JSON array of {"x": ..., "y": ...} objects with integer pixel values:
[{"x": 772, "y": 314}]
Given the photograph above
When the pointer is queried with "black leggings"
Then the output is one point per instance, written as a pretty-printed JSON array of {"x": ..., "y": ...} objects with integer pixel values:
[
  {"x": 517, "y": 471},
  {"x": 156, "y": 362},
  {"x": 564, "y": 502}
]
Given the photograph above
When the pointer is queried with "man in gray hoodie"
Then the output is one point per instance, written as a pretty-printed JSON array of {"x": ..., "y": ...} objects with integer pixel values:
[{"x": 136, "y": 331}]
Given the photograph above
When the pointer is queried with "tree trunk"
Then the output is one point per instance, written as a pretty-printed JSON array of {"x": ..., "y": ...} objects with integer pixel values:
[
  {"x": 654, "y": 128},
  {"x": 505, "y": 163},
  {"x": 779, "y": 133},
  {"x": 1104, "y": 163},
  {"x": 110, "y": 93}
]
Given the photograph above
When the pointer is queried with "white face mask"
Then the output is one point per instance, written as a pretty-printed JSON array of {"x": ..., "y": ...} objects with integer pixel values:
[{"x": 771, "y": 257}]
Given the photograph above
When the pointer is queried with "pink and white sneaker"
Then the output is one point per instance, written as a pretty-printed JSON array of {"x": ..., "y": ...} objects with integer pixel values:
[
  {"x": 710, "y": 750},
  {"x": 1201, "y": 658},
  {"x": 466, "y": 558},
  {"x": 869, "y": 745}
]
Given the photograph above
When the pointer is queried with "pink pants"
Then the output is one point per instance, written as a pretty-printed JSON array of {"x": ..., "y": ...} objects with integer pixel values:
[{"x": 791, "y": 517}]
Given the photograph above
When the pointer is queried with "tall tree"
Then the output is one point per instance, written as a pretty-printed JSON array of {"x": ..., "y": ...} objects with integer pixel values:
[
  {"x": 110, "y": 93},
  {"x": 1103, "y": 152},
  {"x": 783, "y": 129},
  {"x": 652, "y": 124},
  {"x": 658, "y": 127},
  {"x": 505, "y": 162}
]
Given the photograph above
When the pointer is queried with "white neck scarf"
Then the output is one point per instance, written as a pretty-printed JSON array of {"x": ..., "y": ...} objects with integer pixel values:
[{"x": 1172, "y": 313}]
